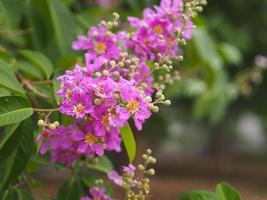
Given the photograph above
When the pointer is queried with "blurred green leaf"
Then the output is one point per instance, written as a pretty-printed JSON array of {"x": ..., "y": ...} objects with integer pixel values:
[
  {"x": 198, "y": 195},
  {"x": 30, "y": 70},
  {"x": 231, "y": 54},
  {"x": 4, "y": 92},
  {"x": 128, "y": 141},
  {"x": 224, "y": 191},
  {"x": 8, "y": 79},
  {"x": 70, "y": 190},
  {"x": 40, "y": 61},
  {"x": 57, "y": 83},
  {"x": 20, "y": 156},
  {"x": 14, "y": 109},
  {"x": 60, "y": 24},
  {"x": 10, "y": 16},
  {"x": 103, "y": 165},
  {"x": 24, "y": 195}
]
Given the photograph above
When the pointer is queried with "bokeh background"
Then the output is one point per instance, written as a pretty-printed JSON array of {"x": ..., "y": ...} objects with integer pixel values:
[{"x": 216, "y": 128}]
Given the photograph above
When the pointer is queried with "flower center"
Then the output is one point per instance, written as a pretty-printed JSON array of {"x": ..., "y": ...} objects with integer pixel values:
[
  {"x": 132, "y": 106},
  {"x": 69, "y": 94},
  {"x": 90, "y": 139},
  {"x": 158, "y": 30},
  {"x": 79, "y": 108},
  {"x": 100, "y": 47},
  {"x": 105, "y": 120}
]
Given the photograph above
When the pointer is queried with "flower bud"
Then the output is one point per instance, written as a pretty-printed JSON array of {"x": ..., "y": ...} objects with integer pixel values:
[
  {"x": 141, "y": 167},
  {"x": 52, "y": 126},
  {"x": 148, "y": 151},
  {"x": 144, "y": 156},
  {"x": 148, "y": 99},
  {"x": 121, "y": 64},
  {"x": 105, "y": 72},
  {"x": 56, "y": 123},
  {"x": 154, "y": 108},
  {"x": 151, "y": 172},
  {"x": 167, "y": 102},
  {"x": 41, "y": 122},
  {"x": 97, "y": 101},
  {"x": 112, "y": 63},
  {"x": 97, "y": 74}
]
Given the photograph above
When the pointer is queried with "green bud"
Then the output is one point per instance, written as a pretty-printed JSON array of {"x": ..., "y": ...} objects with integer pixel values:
[
  {"x": 167, "y": 102},
  {"x": 151, "y": 172},
  {"x": 41, "y": 122},
  {"x": 97, "y": 101},
  {"x": 52, "y": 126},
  {"x": 105, "y": 72},
  {"x": 56, "y": 123}
]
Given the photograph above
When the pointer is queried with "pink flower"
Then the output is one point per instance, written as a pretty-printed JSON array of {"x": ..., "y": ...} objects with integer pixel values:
[
  {"x": 98, "y": 42},
  {"x": 97, "y": 194},
  {"x": 156, "y": 32},
  {"x": 115, "y": 177}
]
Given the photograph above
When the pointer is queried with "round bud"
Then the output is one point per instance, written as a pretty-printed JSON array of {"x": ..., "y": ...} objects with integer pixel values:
[
  {"x": 116, "y": 74},
  {"x": 41, "y": 122},
  {"x": 56, "y": 123},
  {"x": 117, "y": 96},
  {"x": 112, "y": 63},
  {"x": 121, "y": 64},
  {"x": 148, "y": 99},
  {"x": 148, "y": 151},
  {"x": 151, "y": 172},
  {"x": 167, "y": 102},
  {"x": 97, "y": 101},
  {"x": 141, "y": 167},
  {"x": 52, "y": 126},
  {"x": 105, "y": 72},
  {"x": 144, "y": 156},
  {"x": 97, "y": 74}
]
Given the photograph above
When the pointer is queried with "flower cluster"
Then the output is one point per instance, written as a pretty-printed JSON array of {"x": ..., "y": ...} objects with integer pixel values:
[
  {"x": 97, "y": 193},
  {"x": 70, "y": 143},
  {"x": 137, "y": 187},
  {"x": 157, "y": 32},
  {"x": 113, "y": 86}
]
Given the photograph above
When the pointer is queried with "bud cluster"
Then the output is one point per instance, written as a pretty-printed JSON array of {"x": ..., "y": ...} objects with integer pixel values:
[{"x": 135, "y": 181}]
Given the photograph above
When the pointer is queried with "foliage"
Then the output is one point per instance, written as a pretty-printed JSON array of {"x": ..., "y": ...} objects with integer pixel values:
[{"x": 224, "y": 191}]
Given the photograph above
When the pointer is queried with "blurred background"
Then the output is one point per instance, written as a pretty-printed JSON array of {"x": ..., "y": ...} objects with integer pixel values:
[{"x": 216, "y": 128}]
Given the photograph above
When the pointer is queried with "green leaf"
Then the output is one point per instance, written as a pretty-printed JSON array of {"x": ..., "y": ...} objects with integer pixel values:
[
  {"x": 198, "y": 195},
  {"x": 11, "y": 194},
  {"x": 128, "y": 141},
  {"x": 63, "y": 24},
  {"x": 231, "y": 54},
  {"x": 10, "y": 141},
  {"x": 14, "y": 109},
  {"x": 56, "y": 83},
  {"x": 40, "y": 60},
  {"x": 4, "y": 92},
  {"x": 8, "y": 79},
  {"x": 69, "y": 190},
  {"x": 206, "y": 48},
  {"x": 20, "y": 156},
  {"x": 24, "y": 195},
  {"x": 224, "y": 191},
  {"x": 30, "y": 70},
  {"x": 59, "y": 24},
  {"x": 103, "y": 165}
]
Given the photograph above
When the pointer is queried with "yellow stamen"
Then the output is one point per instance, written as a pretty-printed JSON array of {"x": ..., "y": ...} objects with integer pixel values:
[
  {"x": 100, "y": 47},
  {"x": 90, "y": 139},
  {"x": 132, "y": 106},
  {"x": 105, "y": 120},
  {"x": 158, "y": 30},
  {"x": 79, "y": 108}
]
